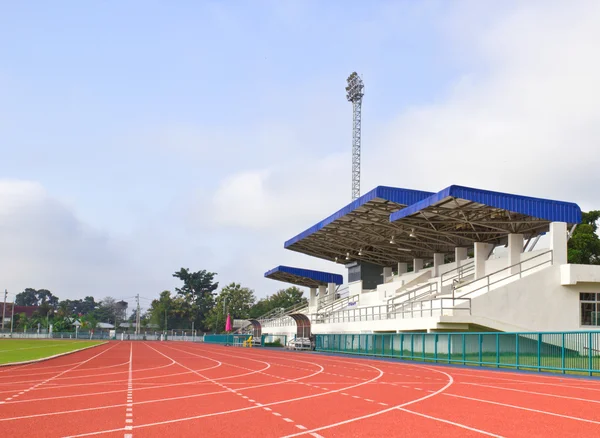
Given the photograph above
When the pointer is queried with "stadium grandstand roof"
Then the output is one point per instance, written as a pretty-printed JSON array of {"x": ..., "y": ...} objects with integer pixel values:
[
  {"x": 303, "y": 277},
  {"x": 434, "y": 222},
  {"x": 364, "y": 222}
]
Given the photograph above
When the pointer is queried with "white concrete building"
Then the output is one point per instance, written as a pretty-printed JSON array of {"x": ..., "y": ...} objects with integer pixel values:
[{"x": 420, "y": 261}]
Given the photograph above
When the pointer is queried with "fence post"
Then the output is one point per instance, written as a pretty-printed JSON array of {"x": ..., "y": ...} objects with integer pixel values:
[
  {"x": 480, "y": 348},
  {"x": 497, "y": 350},
  {"x": 423, "y": 348},
  {"x": 464, "y": 353},
  {"x": 435, "y": 348},
  {"x": 562, "y": 354},
  {"x": 412, "y": 346},
  {"x": 539, "y": 352},
  {"x": 517, "y": 350},
  {"x": 449, "y": 348},
  {"x": 590, "y": 349}
]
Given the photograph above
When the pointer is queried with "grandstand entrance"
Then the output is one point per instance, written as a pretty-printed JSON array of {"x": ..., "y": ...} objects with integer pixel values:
[
  {"x": 256, "y": 328},
  {"x": 302, "y": 325}
]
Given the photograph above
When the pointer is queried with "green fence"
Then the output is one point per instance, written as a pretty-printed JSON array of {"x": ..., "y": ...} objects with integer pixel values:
[
  {"x": 225, "y": 339},
  {"x": 570, "y": 352}
]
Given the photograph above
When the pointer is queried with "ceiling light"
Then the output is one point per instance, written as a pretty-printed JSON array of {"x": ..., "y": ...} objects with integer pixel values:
[
  {"x": 347, "y": 256},
  {"x": 360, "y": 252},
  {"x": 412, "y": 233},
  {"x": 392, "y": 241}
]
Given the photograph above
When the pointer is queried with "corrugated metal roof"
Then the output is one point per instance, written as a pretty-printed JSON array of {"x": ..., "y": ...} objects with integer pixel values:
[
  {"x": 402, "y": 197},
  {"x": 554, "y": 211},
  {"x": 303, "y": 277}
]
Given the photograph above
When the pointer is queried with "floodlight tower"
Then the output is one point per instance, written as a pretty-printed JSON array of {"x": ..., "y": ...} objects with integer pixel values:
[{"x": 354, "y": 94}]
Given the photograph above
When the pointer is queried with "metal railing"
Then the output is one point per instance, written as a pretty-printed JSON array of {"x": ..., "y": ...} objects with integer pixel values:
[
  {"x": 419, "y": 292},
  {"x": 565, "y": 352},
  {"x": 457, "y": 274},
  {"x": 421, "y": 308},
  {"x": 504, "y": 274},
  {"x": 338, "y": 304}
]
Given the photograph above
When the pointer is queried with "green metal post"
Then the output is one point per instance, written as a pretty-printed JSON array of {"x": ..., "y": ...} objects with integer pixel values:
[
  {"x": 497, "y": 350},
  {"x": 517, "y": 352},
  {"x": 562, "y": 354},
  {"x": 423, "y": 347},
  {"x": 412, "y": 346},
  {"x": 435, "y": 348},
  {"x": 539, "y": 352},
  {"x": 449, "y": 348},
  {"x": 590, "y": 349},
  {"x": 464, "y": 353},
  {"x": 480, "y": 349}
]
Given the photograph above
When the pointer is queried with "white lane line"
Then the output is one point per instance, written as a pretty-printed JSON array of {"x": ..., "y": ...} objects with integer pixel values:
[
  {"x": 452, "y": 423},
  {"x": 65, "y": 371},
  {"x": 288, "y": 420},
  {"x": 129, "y": 409},
  {"x": 299, "y": 426}
]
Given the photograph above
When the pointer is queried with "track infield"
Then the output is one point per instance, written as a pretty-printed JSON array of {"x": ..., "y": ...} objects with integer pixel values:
[
  {"x": 157, "y": 389},
  {"x": 22, "y": 350}
]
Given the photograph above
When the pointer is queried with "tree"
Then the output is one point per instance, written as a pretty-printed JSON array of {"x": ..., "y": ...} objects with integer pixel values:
[
  {"x": 233, "y": 299},
  {"x": 198, "y": 292},
  {"x": 159, "y": 309},
  {"x": 286, "y": 298},
  {"x": 584, "y": 244}
]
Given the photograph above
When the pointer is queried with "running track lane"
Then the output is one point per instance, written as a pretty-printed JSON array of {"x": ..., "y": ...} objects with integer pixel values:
[{"x": 152, "y": 389}]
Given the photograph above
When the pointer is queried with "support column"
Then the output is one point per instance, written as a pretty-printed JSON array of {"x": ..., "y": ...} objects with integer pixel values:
[
  {"x": 322, "y": 294},
  {"x": 438, "y": 260},
  {"x": 558, "y": 242},
  {"x": 402, "y": 268},
  {"x": 417, "y": 265},
  {"x": 460, "y": 254},
  {"x": 482, "y": 251},
  {"x": 515, "y": 248},
  {"x": 313, "y": 297},
  {"x": 331, "y": 291},
  {"x": 387, "y": 273}
]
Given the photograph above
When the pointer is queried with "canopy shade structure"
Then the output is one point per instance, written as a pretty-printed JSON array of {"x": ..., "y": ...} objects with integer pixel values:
[
  {"x": 390, "y": 225},
  {"x": 460, "y": 216},
  {"x": 303, "y": 277},
  {"x": 361, "y": 225}
]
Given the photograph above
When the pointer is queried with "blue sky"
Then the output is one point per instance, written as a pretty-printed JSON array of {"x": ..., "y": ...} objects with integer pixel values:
[{"x": 142, "y": 136}]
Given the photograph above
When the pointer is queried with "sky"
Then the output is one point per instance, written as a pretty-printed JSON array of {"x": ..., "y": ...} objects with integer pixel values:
[{"x": 140, "y": 137}]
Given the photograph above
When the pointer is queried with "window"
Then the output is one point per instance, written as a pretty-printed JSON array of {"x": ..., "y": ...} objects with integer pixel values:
[{"x": 590, "y": 308}]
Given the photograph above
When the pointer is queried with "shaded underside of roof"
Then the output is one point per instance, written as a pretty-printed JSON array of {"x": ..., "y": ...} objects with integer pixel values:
[
  {"x": 362, "y": 222},
  {"x": 380, "y": 229},
  {"x": 303, "y": 277},
  {"x": 461, "y": 216}
]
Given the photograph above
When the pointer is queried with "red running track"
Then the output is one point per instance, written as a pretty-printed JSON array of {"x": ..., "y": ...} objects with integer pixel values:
[{"x": 164, "y": 389}]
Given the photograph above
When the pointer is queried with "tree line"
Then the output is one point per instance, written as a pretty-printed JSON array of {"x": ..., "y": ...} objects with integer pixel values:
[{"x": 197, "y": 304}]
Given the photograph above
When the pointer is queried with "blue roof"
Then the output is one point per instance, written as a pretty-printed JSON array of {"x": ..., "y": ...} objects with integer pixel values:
[
  {"x": 402, "y": 197},
  {"x": 554, "y": 211},
  {"x": 303, "y": 277}
]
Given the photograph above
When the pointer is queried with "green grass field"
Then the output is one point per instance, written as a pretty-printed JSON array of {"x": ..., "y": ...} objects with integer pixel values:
[{"x": 19, "y": 350}]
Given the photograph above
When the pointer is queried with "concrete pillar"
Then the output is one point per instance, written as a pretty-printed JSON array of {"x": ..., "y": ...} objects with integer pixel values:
[
  {"x": 312, "y": 301},
  {"x": 322, "y": 293},
  {"x": 558, "y": 242},
  {"x": 387, "y": 273},
  {"x": 482, "y": 251},
  {"x": 515, "y": 248},
  {"x": 402, "y": 268},
  {"x": 438, "y": 260},
  {"x": 331, "y": 291},
  {"x": 460, "y": 254},
  {"x": 417, "y": 265}
]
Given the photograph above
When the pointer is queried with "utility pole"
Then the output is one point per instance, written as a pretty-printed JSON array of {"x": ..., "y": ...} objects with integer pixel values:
[
  {"x": 4, "y": 308},
  {"x": 12, "y": 317},
  {"x": 137, "y": 315}
]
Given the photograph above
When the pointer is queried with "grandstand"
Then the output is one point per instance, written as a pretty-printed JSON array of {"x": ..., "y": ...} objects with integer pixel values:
[{"x": 462, "y": 259}]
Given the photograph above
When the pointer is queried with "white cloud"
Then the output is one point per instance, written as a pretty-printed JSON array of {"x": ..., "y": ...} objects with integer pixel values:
[
  {"x": 44, "y": 245},
  {"x": 524, "y": 118}
]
